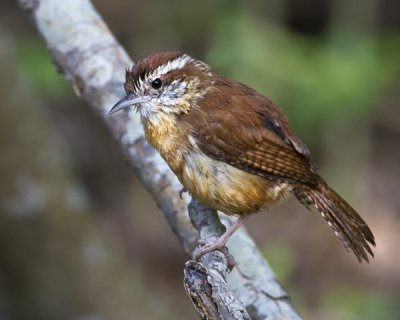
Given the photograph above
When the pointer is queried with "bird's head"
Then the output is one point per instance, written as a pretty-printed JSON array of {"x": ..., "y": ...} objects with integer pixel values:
[{"x": 164, "y": 84}]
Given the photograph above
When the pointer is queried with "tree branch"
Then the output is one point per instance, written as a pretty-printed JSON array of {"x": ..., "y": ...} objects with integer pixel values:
[
  {"x": 205, "y": 282},
  {"x": 84, "y": 49}
]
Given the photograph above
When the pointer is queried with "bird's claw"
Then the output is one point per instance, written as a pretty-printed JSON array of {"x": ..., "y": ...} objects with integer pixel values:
[{"x": 212, "y": 245}]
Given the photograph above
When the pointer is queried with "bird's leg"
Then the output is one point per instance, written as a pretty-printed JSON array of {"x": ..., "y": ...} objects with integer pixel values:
[{"x": 219, "y": 243}]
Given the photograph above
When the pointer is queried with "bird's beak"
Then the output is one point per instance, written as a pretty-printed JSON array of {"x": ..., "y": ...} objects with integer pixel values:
[{"x": 125, "y": 102}]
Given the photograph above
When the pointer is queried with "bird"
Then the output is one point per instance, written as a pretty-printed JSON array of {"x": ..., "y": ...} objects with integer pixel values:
[{"x": 231, "y": 147}]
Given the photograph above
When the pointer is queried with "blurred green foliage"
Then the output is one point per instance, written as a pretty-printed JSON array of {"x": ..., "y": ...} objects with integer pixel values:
[
  {"x": 351, "y": 303},
  {"x": 282, "y": 260},
  {"x": 344, "y": 302},
  {"x": 36, "y": 65},
  {"x": 315, "y": 80}
]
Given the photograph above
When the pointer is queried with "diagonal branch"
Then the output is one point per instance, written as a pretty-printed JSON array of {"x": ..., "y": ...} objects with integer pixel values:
[{"x": 84, "y": 49}]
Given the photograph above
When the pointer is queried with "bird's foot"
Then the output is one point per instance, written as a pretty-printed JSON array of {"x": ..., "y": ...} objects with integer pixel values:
[
  {"x": 219, "y": 243},
  {"x": 213, "y": 244}
]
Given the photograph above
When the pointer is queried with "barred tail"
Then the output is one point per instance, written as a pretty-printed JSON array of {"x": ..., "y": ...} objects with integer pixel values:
[{"x": 347, "y": 224}]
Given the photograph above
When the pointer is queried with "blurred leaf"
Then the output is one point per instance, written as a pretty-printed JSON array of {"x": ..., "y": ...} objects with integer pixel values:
[
  {"x": 350, "y": 303},
  {"x": 281, "y": 259},
  {"x": 315, "y": 80},
  {"x": 35, "y": 63}
]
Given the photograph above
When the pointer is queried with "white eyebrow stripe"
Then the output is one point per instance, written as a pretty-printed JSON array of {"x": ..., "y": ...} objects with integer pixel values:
[{"x": 176, "y": 64}]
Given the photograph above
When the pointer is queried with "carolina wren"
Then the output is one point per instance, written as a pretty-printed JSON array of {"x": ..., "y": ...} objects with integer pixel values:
[{"x": 231, "y": 147}]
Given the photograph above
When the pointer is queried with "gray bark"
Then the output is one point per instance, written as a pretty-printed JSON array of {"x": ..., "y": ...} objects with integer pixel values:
[
  {"x": 94, "y": 63},
  {"x": 205, "y": 282}
]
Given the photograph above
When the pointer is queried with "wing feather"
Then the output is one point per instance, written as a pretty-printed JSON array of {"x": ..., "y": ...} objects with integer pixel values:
[{"x": 249, "y": 132}]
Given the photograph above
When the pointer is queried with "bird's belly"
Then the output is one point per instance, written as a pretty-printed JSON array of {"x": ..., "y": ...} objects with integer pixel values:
[{"x": 225, "y": 188}]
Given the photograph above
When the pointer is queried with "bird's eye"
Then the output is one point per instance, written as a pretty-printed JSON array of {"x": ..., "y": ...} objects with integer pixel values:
[{"x": 156, "y": 83}]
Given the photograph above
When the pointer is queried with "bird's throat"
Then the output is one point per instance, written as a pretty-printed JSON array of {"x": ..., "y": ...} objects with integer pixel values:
[{"x": 170, "y": 141}]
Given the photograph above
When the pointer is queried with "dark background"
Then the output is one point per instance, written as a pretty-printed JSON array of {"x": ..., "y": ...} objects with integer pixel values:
[{"x": 81, "y": 239}]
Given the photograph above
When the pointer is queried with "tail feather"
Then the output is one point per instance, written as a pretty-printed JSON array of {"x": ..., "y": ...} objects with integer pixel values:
[{"x": 347, "y": 224}]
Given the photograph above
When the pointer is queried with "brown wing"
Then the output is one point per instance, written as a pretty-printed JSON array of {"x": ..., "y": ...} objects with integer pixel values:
[{"x": 246, "y": 130}]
